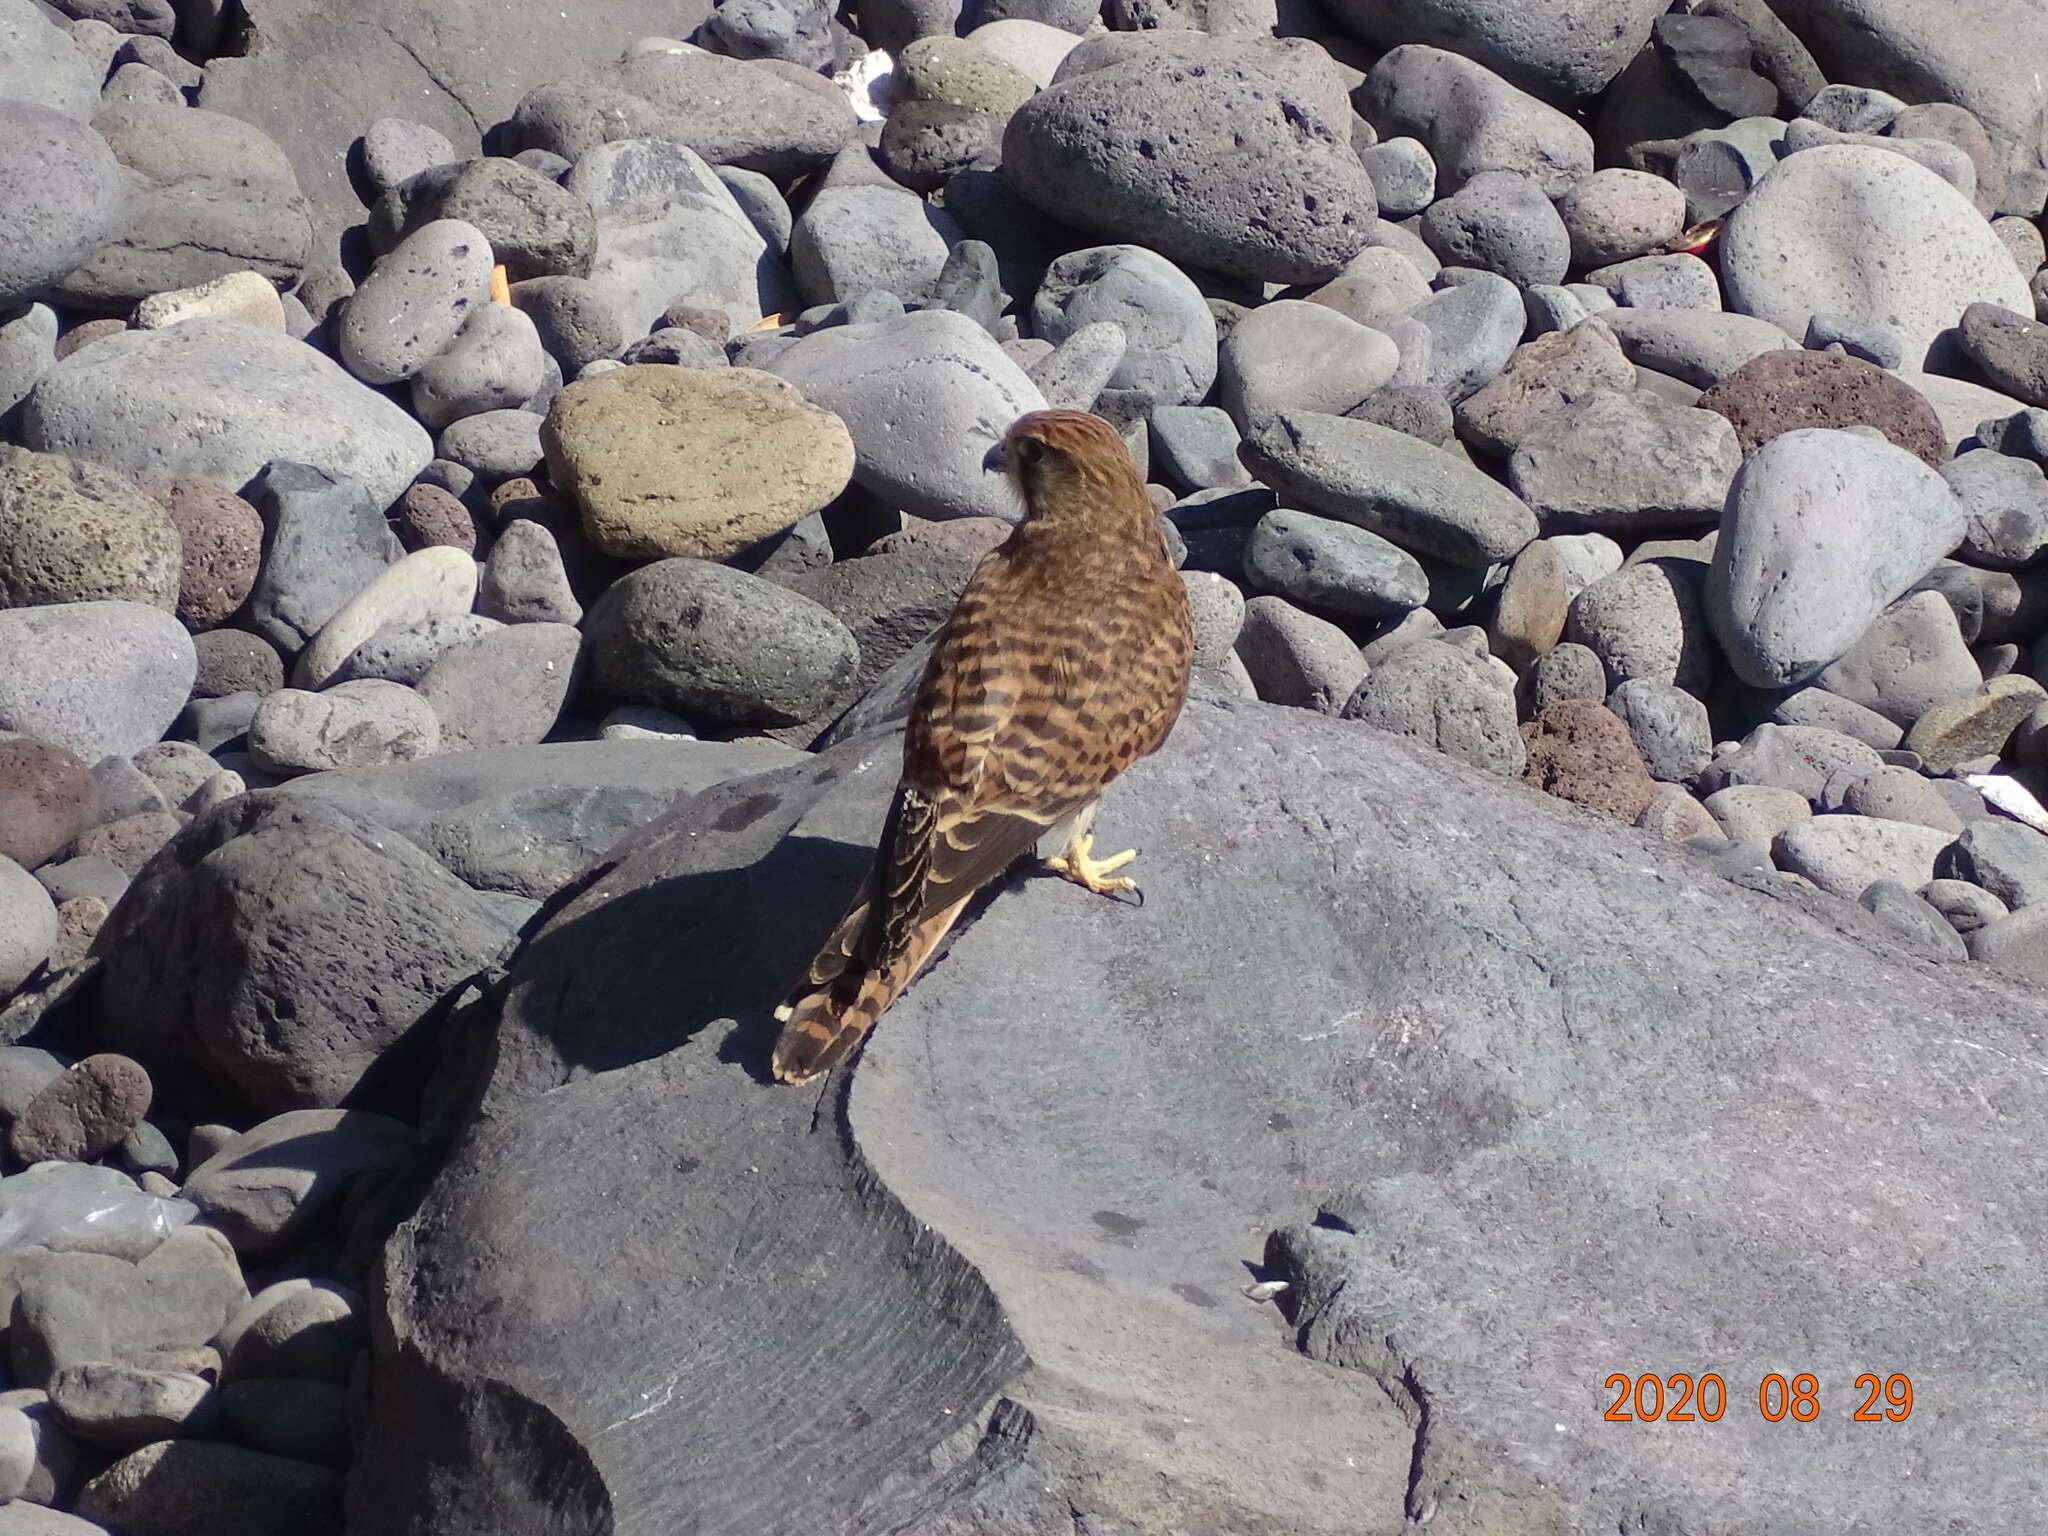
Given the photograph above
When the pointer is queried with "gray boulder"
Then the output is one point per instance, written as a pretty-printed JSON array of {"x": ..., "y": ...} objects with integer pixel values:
[
  {"x": 40, "y": 66},
  {"x": 1170, "y": 354},
  {"x": 1784, "y": 600},
  {"x": 1911, "y": 658},
  {"x": 221, "y": 399},
  {"x": 62, "y": 187},
  {"x": 890, "y": 1224},
  {"x": 1432, "y": 693},
  {"x": 669, "y": 231},
  {"x": 925, "y": 398},
  {"x": 1332, "y": 567},
  {"x": 1563, "y": 51},
  {"x": 1500, "y": 221},
  {"x": 1860, "y": 233},
  {"x": 1626, "y": 463},
  {"x": 714, "y": 643},
  {"x": 277, "y": 948},
  {"x": 101, "y": 679},
  {"x": 1472, "y": 120},
  {"x": 1267, "y": 188}
]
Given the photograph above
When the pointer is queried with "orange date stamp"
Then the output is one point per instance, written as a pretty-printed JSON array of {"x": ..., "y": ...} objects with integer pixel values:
[{"x": 1683, "y": 1399}]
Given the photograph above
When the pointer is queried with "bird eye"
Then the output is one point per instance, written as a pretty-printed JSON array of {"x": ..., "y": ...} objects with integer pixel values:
[{"x": 1028, "y": 452}]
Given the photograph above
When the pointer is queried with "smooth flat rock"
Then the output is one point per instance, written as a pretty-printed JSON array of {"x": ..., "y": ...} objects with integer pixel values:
[
  {"x": 1420, "y": 497},
  {"x": 1848, "y": 230},
  {"x": 1823, "y": 530},
  {"x": 1504, "y": 1033},
  {"x": 216, "y": 398},
  {"x": 100, "y": 679},
  {"x": 1471, "y": 119}
]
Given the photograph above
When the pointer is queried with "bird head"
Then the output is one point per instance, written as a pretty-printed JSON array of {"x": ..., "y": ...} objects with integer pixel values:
[{"x": 1072, "y": 465}]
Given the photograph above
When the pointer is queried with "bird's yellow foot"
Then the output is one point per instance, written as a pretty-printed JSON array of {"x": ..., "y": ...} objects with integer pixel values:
[{"x": 1079, "y": 865}]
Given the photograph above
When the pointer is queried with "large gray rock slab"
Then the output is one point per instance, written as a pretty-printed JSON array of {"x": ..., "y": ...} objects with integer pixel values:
[
  {"x": 221, "y": 399},
  {"x": 316, "y": 75},
  {"x": 1096, "y": 1108}
]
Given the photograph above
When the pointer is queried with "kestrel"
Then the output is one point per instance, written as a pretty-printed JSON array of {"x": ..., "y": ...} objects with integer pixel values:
[{"x": 1064, "y": 662}]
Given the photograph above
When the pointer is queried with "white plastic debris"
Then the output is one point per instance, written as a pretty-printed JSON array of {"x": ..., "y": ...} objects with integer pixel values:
[
  {"x": 79, "y": 1208},
  {"x": 870, "y": 85},
  {"x": 1266, "y": 1290},
  {"x": 2010, "y": 796}
]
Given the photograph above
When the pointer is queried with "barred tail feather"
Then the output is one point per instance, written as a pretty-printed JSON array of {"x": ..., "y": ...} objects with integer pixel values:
[{"x": 832, "y": 1013}]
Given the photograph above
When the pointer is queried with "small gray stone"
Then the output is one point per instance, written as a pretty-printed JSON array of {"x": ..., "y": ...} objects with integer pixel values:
[
  {"x": 504, "y": 689},
  {"x": 1843, "y": 854},
  {"x": 415, "y": 302},
  {"x": 2005, "y": 501},
  {"x": 403, "y": 654},
  {"x": 1645, "y": 621},
  {"x": 1911, "y": 658},
  {"x": 494, "y": 445},
  {"x": 1795, "y": 757},
  {"x": 2003, "y": 857},
  {"x": 1854, "y": 108},
  {"x": 1472, "y": 120},
  {"x": 1626, "y": 463},
  {"x": 1403, "y": 175},
  {"x": 1754, "y": 814},
  {"x": 272, "y": 1186},
  {"x": 524, "y": 580},
  {"x": 359, "y": 724},
  {"x": 327, "y": 540},
  {"x": 1967, "y": 907},
  {"x": 1668, "y": 726},
  {"x": 1540, "y": 380},
  {"x": 1699, "y": 346},
  {"x": 122, "y": 1407},
  {"x": 396, "y": 149},
  {"x": 1925, "y": 928},
  {"x": 1296, "y": 658},
  {"x": 1818, "y": 706},
  {"x": 1474, "y": 328},
  {"x": 1500, "y": 221},
  {"x": 495, "y": 362},
  {"x": 1900, "y": 794},
  {"x": 925, "y": 399},
  {"x": 295, "y": 1328},
  {"x": 1194, "y": 447},
  {"x": 1295, "y": 356},
  {"x": 855, "y": 240},
  {"x": 1434, "y": 694},
  {"x": 1074, "y": 374},
  {"x": 1566, "y": 671},
  {"x": 1614, "y": 215},
  {"x": 1171, "y": 348},
  {"x": 1681, "y": 282},
  {"x": 576, "y": 320},
  {"x": 1333, "y": 567}
]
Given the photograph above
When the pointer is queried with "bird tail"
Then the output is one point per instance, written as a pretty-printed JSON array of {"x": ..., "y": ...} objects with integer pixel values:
[{"x": 831, "y": 1013}]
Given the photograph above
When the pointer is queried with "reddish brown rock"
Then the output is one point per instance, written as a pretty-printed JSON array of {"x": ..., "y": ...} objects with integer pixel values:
[
  {"x": 430, "y": 516},
  {"x": 223, "y": 540},
  {"x": 1580, "y": 751},
  {"x": 47, "y": 798},
  {"x": 84, "y": 1113},
  {"x": 1782, "y": 391}
]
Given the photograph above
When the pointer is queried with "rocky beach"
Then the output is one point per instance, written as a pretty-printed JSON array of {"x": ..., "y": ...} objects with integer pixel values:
[{"x": 478, "y": 485}]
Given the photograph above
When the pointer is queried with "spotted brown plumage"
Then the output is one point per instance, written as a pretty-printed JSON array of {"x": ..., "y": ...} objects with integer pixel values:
[{"x": 1064, "y": 662}]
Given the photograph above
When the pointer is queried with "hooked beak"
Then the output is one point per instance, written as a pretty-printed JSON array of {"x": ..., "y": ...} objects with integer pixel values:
[{"x": 996, "y": 461}]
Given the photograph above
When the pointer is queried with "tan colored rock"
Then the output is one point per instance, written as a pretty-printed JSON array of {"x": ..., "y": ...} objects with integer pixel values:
[
  {"x": 249, "y": 297},
  {"x": 702, "y": 463},
  {"x": 1530, "y": 615},
  {"x": 1976, "y": 725}
]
